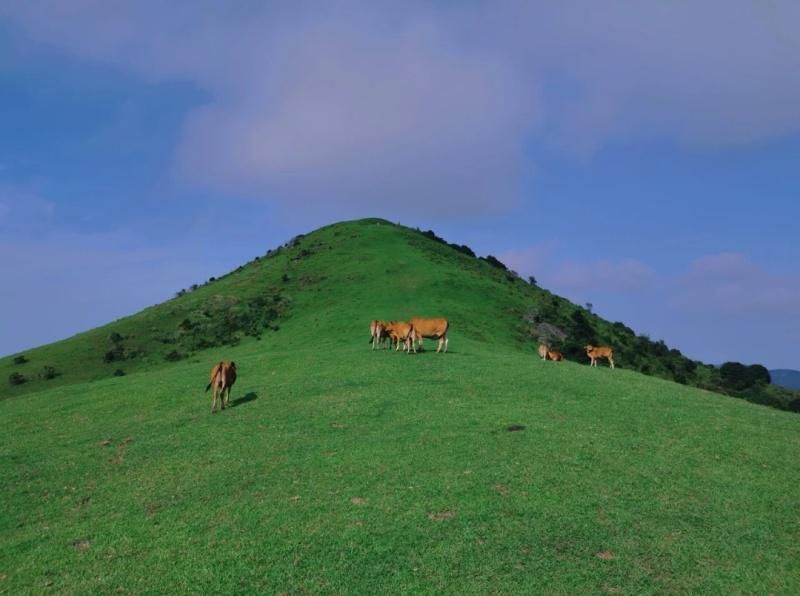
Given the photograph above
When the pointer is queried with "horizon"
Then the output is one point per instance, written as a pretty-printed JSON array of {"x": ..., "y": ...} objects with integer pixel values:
[{"x": 638, "y": 158}]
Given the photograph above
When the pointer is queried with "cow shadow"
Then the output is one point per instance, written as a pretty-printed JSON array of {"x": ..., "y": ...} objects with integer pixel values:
[{"x": 247, "y": 397}]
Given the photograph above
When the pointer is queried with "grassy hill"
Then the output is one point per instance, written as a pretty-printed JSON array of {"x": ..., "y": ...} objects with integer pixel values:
[
  {"x": 323, "y": 286},
  {"x": 343, "y": 470}
]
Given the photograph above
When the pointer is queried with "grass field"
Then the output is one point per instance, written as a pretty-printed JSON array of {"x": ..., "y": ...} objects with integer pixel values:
[{"x": 344, "y": 470}]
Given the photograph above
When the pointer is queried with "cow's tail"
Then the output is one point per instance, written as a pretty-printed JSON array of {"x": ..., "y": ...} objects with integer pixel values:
[{"x": 215, "y": 374}]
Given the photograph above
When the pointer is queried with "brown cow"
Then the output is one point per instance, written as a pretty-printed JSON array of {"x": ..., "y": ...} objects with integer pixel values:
[
  {"x": 596, "y": 352},
  {"x": 377, "y": 333},
  {"x": 401, "y": 331},
  {"x": 555, "y": 356},
  {"x": 432, "y": 329},
  {"x": 223, "y": 376},
  {"x": 543, "y": 349}
]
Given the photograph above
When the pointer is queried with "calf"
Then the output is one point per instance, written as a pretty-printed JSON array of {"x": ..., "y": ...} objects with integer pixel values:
[
  {"x": 377, "y": 333},
  {"x": 543, "y": 349},
  {"x": 401, "y": 331},
  {"x": 555, "y": 356}
]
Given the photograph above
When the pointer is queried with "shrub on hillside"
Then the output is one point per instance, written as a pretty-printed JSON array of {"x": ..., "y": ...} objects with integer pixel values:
[
  {"x": 50, "y": 372},
  {"x": 464, "y": 249},
  {"x": 738, "y": 377},
  {"x": 173, "y": 356},
  {"x": 119, "y": 373},
  {"x": 114, "y": 354},
  {"x": 16, "y": 378},
  {"x": 495, "y": 262},
  {"x": 21, "y": 359}
]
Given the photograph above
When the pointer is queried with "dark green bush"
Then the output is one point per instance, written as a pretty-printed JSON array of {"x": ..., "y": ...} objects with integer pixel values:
[
  {"x": 21, "y": 359},
  {"x": 173, "y": 356},
  {"x": 495, "y": 262},
  {"x": 16, "y": 378},
  {"x": 50, "y": 372}
]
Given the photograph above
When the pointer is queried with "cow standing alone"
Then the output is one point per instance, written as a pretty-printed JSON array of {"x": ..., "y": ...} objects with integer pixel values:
[
  {"x": 223, "y": 376},
  {"x": 596, "y": 352}
]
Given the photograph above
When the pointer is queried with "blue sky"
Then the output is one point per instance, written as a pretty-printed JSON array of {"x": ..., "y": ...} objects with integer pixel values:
[{"x": 639, "y": 156}]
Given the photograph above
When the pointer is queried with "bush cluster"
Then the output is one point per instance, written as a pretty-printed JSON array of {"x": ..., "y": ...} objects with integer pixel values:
[{"x": 16, "y": 378}]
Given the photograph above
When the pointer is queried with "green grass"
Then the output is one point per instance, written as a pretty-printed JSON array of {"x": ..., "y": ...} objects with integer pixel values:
[
  {"x": 328, "y": 470},
  {"x": 345, "y": 470}
]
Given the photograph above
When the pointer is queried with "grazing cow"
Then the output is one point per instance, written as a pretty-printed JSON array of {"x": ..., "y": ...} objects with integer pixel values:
[
  {"x": 401, "y": 331},
  {"x": 555, "y": 356},
  {"x": 223, "y": 376},
  {"x": 432, "y": 329},
  {"x": 596, "y": 352},
  {"x": 543, "y": 349}
]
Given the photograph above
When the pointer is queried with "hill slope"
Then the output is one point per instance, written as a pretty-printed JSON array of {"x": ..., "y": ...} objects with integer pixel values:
[
  {"x": 324, "y": 287},
  {"x": 345, "y": 470}
]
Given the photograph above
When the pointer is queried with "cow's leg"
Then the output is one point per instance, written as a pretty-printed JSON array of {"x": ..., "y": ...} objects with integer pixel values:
[
  {"x": 446, "y": 341},
  {"x": 214, "y": 402},
  {"x": 611, "y": 360},
  {"x": 439, "y": 345}
]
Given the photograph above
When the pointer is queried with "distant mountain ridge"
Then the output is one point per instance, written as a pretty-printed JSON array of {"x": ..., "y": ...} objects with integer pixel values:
[{"x": 786, "y": 377}]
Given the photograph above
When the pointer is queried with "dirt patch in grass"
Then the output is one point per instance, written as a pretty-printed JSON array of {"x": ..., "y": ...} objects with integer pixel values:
[
  {"x": 120, "y": 456},
  {"x": 503, "y": 489},
  {"x": 81, "y": 545},
  {"x": 441, "y": 515},
  {"x": 152, "y": 508},
  {"x": 605, "y": 555},
  {"x": 358, "y": 501}
]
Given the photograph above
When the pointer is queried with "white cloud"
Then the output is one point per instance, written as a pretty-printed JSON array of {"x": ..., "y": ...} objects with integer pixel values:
[
  {"x": 732, "y": 285},
  {"x": 431, "y": 109},
  {"x": 625, "y": 275}
]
